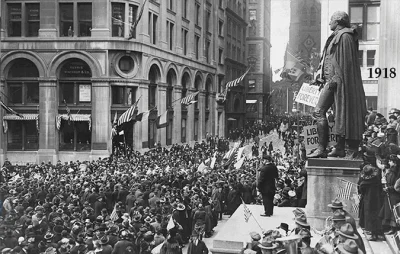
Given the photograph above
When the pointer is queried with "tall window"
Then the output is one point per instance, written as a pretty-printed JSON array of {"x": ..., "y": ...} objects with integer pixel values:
[
  {"x": 207, "y": 51},
  {"x": 152, "y": 95},
  {"x": 184, "y": 41},
  {"x": 220, "y": 3},
  {"x": 361, "y": 57},
  {"x": 313, "y": 16},
  {"x": 197, "y": 46},
  {"x": 170, "y": 4},
  {"x": 33, "y": 19},
  {"x": 170, "y": 35},
  {"x": 229, "y": 27},
  {"x": 208, "y": 20},
  {"x": 220, "y": 27},
  {"x": 184, "y": 8},
  {"x": 132, "y": 18},
  {"x": 67, "y": 19},
  {"x": 84, "y": 19},
  {"x": 197, "y": 17},
  {"x": 123, "y": 95},
  {"x": 14, "y": 20},
  {"x": 366, "y": 19},
  {"x": 153, "y": 27},
  {"x": 220, "y": 56},
  {"x": 371, "y": 58},
  {"x": 117, "y": 19}
]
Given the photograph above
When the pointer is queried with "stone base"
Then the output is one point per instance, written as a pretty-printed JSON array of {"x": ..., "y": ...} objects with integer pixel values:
[
  {"x": 46, "y": 155},
  {"x": 48, "y": 33},
  {"x": 100, "y": 33},
  {"x": 322, "y": 184}
]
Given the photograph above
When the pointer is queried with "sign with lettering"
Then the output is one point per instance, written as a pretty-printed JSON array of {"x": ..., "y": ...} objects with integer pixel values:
[
  {"x": 311, "y": 136},
  {"x": 308, "y": 95},
  {"x": 75, "y": 69},
  {"x": 85, "y": 93}
]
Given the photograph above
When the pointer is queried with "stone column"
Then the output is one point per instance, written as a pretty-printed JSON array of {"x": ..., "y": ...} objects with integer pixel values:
[
  {"x": 101, "y": 19},
  {"x": 3, "y": 138},
  {"x": 190, "y": 120},
  {"x": 213, "y": 115},
  {"x": 162, "y": 107},
  {"x": 101, "y": 118},
  {"x": 143, "y": 132},
  {"x": 48, "y": 133},
  {"x": 202, "y": 115},
  {"x": 48, "y": 19},
  {"x": 389, "y": 56},
  {"x": 177, "y": 129}
]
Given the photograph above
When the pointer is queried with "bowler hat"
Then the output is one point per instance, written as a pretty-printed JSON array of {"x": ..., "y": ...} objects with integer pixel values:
[
  {"x": 284, "y": 226},
  {"x": 339, "y": 215},
  {"x": 301, "y": 220},
  {"x": 349, "y": 247},
  {"x": 336, "y": 203},
  {"x": 347, "y": 231}
]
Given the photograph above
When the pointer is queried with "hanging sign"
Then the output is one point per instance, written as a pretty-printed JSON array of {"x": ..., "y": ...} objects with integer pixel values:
[{"x": 308, "y": 95}]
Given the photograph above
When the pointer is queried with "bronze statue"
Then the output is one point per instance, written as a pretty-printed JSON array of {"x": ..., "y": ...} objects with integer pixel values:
[{"x": 339, "y": 78}]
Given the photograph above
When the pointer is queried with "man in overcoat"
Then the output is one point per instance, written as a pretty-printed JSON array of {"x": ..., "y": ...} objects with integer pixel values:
[{"x": 266, "y": 184}]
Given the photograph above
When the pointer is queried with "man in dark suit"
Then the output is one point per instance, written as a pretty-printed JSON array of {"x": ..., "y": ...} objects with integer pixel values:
[{"x": 266, "y": 184}]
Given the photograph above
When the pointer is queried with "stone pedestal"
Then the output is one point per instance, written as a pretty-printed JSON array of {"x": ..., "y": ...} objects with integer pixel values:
[{"x": 322, "y": 183}]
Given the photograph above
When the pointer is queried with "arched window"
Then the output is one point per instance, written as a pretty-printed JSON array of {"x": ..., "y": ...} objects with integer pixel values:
[
  {"x": 75, "y": 105},
  {"x": 22, "y": 95},
  {"x": 304, "y": 16}
]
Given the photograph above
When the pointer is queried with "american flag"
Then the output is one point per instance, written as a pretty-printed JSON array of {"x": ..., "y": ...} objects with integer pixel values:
[
  {"x": 68, "y": 111},
  {"x": 247, "y": 212},
  {"x": 356, "y": 203},
  {"x": 9, "y": 110},
  {"x": 189, "y": 99},
  {"x": 345, "y": 189},
  {"x": 136, "y": 22},
  {"x": 235, "y": 82},
  {"x": 128, "y": 115},
  {"x": 114, "y": 215}
]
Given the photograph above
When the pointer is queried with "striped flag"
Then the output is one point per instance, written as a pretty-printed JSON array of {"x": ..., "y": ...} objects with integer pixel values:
[
  {"x": 356, "y": 203},
  {"x": 68, "y": 112},
  {"x": 136, "y": 22},
  {"x": 345, "y": 188},
  {"x": 235, "y": 82},
  {"x": 128, "y": 115},
  {"x": 247, "y": 212},
  {"x": 114, "y": 216},
  {"x": 9, "y": 110},
  {"x": 162, "y": 120},
  {"x": 189, "y": 99}
]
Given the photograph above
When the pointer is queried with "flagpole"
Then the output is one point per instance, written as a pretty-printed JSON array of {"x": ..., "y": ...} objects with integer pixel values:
[{"x": 252, "y": 215}]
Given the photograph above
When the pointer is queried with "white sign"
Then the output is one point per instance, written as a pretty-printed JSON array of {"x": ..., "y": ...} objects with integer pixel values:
[
  {"x": 308, "y": 95},
  {"x": 85, "y": 93},
  {"x": 311, "y": 136}
]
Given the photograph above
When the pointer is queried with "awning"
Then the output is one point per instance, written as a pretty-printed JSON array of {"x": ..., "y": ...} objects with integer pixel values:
[
  {"x": 25, "y": 117},
  {"x": 74, "y": 118},
  {"x": 251, "y": 101}
]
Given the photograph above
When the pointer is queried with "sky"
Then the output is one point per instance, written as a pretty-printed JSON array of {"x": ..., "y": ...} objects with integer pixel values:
[{"x": 280, "y": 20}]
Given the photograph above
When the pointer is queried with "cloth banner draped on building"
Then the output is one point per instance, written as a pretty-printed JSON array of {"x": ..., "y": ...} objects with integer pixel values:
[
  {"x": 22, "y": 117},
  {"x": 74, "y": 118}
]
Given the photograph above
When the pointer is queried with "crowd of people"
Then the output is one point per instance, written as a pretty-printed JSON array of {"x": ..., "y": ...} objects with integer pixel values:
[{"x": 124, "y": 204}]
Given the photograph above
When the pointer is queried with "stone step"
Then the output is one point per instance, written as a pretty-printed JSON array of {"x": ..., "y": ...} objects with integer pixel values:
[
  {"x": 392, "y": 244},
  {"x": 376, "y": 247}
]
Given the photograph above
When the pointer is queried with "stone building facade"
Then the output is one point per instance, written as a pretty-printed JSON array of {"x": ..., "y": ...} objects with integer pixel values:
[{"x": 82, "y": 56}]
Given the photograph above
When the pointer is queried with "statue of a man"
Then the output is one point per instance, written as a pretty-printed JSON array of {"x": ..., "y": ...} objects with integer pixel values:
[{"x": 339, "y": 78}]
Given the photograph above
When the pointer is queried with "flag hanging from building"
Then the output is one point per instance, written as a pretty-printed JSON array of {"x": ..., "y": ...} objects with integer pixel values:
[
  {"x": 128, "y": 115},
  {"x": 136, "y": 22},
  {"x": 189, "y": 99},
  {"x": 9, "y": 110},
  {"x": 143, "y": 117},
  {"x": 294, "y": 67},
  {"x": 345, "y": 189},
  {"x": 162, "y": 120},
  {"x": 68, "y": 112},
  {"x": 247, "y": 212},
  {"x": 235, "y": 82}
]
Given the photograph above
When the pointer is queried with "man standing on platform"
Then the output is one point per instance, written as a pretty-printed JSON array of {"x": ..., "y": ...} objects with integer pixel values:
[
  {"x": 339, "y": 78},
  {"x": 266, "y": 184}
]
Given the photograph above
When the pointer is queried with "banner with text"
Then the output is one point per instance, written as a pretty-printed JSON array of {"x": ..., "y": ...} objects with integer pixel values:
[
  {"x": 308, "y": 95},
  {"x": 311, "y": 136}
]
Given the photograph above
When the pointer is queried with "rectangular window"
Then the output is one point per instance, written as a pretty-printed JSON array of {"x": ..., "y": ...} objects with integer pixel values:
[
  {"x": 170, "y": 35},
  {"x": 361, "y": 57},
  {"x": 220, "y": 28},
  {"x": 252, "y": 83},
  {"x": 75, "y": 136},
  {"x": 154, "y": 30},
  {"x": 117, "y": 19},
  {"x": 183, "y": 130},
  {"x": 22, "y": 135},
  {"x": 32, "y": 20},
  {"x": 220, "y": 3},
  {"x": 23, "y": 92},
  {"x": 184, "y": 41},
  {"x": 207, "y": 51},
  {"x": 197, "y": 17},
  {"x": 14, "y": 20},
  {"x": 132, "y": 18},
  {"x": 84, "y": 19},
  {"x": 220, "y": 56},
  {"x": 371, "y": 58},
  {"x": 184, "y": 8},
  {"x": 152, "y": 96},
  {"x": 208, "y": 20},
  {"x": 229, "y": 27},
  {"x": 197, "y": 46},
  {"x": 66, "y": 20},
  {"x": 72, "y": 92},
  {"x": 373, "y": 19},
  {"x": 171, "y": 5}
]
